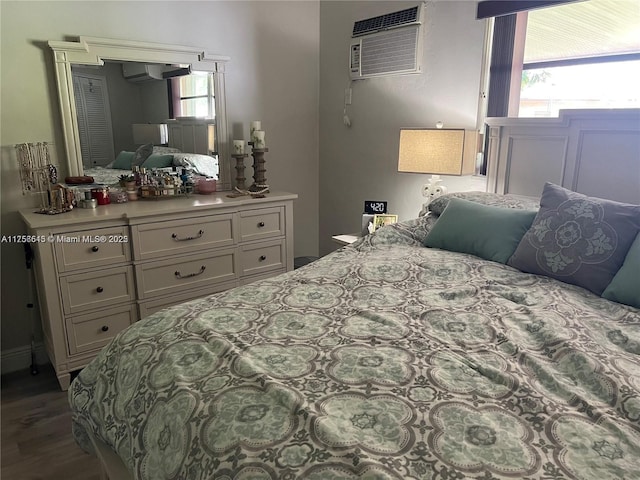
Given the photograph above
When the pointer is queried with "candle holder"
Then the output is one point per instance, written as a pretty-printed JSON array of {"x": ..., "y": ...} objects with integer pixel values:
[
  {"x": 259, "y": 180},
  {"x": 240, "y": 178}
]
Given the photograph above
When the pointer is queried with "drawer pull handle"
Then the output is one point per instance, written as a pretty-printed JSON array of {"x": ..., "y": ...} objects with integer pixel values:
[
  {"x": 104, "y": 328},
  {"x": 99, "y": 289},
  {"x": 95, "y": 248},
  {"x": 189, "y": 275},
  {"x": 262, "y": 258},
  {"x": 261, "y": 224},
  {"x": 178, "y": 239}
]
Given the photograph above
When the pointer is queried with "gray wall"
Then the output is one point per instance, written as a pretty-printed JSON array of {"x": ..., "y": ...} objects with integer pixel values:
[
  {"x": 360, "y": 163},
  {"x": 272, "y": 77}
]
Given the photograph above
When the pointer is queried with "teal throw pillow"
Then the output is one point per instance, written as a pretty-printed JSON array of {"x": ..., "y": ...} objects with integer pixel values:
[
  {"x": 158, "y": 161},
  {"x": 123, "y": 161},
  {"x": 488, "y": 232},
  {"x": 625, "y": 286}
]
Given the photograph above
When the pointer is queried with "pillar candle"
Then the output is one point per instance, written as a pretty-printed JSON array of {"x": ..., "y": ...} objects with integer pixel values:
[
  {"x": 238, "y": 146},
  {"x": 255, "y": 125},
  {"x": 258, "y": 139}
]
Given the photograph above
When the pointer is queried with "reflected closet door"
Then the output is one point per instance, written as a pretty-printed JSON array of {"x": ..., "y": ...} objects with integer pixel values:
[{"x": 94, "y": 119}]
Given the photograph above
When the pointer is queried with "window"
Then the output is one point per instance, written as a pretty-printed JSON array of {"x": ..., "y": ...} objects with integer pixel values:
[
  {"x": 193, "y": 95},
  {"x": 545, "y": 91},
  {"x": 580, "y": 55},
  {"x": 583, "y": 54}
]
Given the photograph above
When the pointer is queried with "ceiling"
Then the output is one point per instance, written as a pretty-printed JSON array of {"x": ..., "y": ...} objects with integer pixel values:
[{"x": 583, "y": 29}]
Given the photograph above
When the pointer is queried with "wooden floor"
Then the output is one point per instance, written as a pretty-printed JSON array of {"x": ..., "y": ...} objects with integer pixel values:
[{"x": 36, "y": 431}]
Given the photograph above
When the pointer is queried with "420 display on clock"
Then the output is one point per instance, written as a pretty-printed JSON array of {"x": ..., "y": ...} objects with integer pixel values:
[{"x": 374, "y": 207}]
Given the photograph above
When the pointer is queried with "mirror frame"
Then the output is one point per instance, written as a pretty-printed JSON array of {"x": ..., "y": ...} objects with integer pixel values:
[{"x": 95, "y": 50}]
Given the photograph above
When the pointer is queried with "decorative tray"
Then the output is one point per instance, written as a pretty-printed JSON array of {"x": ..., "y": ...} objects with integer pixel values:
[{"x": 157, "y": 192}]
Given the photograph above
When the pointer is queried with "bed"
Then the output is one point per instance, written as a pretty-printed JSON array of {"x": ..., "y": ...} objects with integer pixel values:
[
  {"x": 386, "y": 359},
  {"x": 154, "y": 157}
]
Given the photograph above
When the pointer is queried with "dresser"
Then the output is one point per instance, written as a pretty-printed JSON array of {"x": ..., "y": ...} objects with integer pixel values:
[{"x": 100, "y": 270}]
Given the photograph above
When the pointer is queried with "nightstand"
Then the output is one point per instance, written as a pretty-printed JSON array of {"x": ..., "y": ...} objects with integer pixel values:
[{"x": 347, "y": 239}]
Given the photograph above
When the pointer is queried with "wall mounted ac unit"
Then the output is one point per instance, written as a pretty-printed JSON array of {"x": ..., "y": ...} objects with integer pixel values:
[
  {"x": 389, "y": 44},
  {"x": 140, "y": 72}
]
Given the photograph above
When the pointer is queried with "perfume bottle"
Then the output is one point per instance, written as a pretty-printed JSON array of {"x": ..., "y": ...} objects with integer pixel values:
[{"x": 136, "y": 175}]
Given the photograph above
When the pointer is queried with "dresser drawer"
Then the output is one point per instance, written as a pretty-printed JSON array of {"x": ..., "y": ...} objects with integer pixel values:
[
  {"x": 94, "y": 330},
  {"x": 262, "y": 257},
  {"x": 178, "y": 274},
  {"x": 97, "y": 289},
  {"x": 261, "y": 223},
  {"x": 92, "y": 248},
  {"x": 163, "y": 239}
]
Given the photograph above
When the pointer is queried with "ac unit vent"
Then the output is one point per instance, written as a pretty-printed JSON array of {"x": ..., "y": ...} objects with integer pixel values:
[
  {"x": 387, "y": 45},
  {"x": 383, "y": 22},
  {"x": 392, "y": 52}
]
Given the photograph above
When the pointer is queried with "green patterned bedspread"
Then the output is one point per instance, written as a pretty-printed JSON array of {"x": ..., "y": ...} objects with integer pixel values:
[{"x": 383, "y": 360}]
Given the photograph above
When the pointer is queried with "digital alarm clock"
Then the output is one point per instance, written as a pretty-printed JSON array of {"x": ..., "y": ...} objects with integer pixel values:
[{"x": 373, "y": 207}]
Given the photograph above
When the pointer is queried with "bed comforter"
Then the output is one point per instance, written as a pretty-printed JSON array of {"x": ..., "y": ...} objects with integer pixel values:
[{"x": 383, "y": 360}]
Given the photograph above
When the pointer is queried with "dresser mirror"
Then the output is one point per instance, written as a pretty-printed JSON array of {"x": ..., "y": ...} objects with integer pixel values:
[{"x": 95, "y": 58}]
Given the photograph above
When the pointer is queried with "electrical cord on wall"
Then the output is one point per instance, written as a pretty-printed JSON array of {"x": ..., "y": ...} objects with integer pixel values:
[
  {"x": 345, "y": 118},
  {"x": 347, "y": 101}
]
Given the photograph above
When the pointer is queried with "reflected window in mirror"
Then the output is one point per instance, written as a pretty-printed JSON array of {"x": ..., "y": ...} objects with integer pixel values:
[{"x": 192, "y": 96}]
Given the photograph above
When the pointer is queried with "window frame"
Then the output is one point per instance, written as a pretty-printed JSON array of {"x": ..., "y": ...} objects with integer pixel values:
[{"x": 175, "y": 94}]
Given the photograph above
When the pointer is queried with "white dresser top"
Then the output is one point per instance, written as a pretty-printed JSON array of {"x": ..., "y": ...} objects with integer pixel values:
[{"x": 129, "y": 212}]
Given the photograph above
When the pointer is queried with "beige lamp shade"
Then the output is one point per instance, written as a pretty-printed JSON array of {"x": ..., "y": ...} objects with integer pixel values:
[
  {"x": 437, "y": 151},
  {"x": 155, "y": 133}
]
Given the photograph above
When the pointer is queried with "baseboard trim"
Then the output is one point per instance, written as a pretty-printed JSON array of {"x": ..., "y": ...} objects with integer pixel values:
[{"x": 16, "y": 359}]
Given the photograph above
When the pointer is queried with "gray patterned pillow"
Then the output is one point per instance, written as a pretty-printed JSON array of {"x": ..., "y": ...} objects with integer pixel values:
[
  {"x": 141, "y": 154},
  {"x": 577, "y": 239},
  {"x": 437, "y": 206}
]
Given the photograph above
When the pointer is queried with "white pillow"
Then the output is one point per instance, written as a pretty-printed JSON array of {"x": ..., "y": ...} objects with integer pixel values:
[
  {"x": 164, "y": 150},
  {"x": 200, "y": 164}
]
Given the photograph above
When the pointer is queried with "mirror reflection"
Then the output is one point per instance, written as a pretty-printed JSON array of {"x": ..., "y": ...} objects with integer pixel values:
[
  {"x": 122, "y": 105},
  {"x": 141, "y": 99}
]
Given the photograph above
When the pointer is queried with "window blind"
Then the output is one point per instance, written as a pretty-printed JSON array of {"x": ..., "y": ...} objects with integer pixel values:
[
  {"x": 497, "y": 8},
  {"x": 582, "y": 30}
]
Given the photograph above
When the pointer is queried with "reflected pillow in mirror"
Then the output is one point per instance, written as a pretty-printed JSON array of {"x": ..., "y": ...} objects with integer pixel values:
[
  {"x": 164, "y": 150},
  {"x": 197, "y": 163},
  {"x": 158, "y": 161},
  {"x": 123, "y": 161},
  {"x": 141, "y": 154}
]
